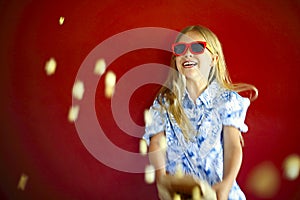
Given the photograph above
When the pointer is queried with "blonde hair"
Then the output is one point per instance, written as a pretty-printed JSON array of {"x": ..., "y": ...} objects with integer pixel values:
[{"x": 174, "y": 86}]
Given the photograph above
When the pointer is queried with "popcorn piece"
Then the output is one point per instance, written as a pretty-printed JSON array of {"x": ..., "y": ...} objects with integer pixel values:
[
  {"x": 179, "y": 171},
  {"x": 291, "y": 167},
  {"x": 176, "y": 197},
  {"x": 73, "y": 113},
  {"x": 196, "y": 194},
  {"x": 163, "y": 143},
  {"x": 110, "y": 81},
  {"x": 147, "y": 117},
  {"x": 78, "y": 90},
  {"x": 61, "y": 20},
  {"x": 22, "y": 182},
  {"x": 109, "y": 91},
  {"x": 50, "y": 66},
  {"x": 100, "y": 67},
  {"x": 143, "y": 147},
  {"x": 149, "y": 174},
  {"x": 264, "y": 180}
]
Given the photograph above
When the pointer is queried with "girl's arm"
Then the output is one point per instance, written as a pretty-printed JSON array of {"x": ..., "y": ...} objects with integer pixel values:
[
  {"x": 157, "y": 156},
  {"x": 232, "y": 161}
]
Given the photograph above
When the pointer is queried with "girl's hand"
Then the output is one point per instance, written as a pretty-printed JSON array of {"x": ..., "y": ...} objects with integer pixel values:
[
  {"x": 222, "y": 189},
  {"x": 163, "y": 188}
]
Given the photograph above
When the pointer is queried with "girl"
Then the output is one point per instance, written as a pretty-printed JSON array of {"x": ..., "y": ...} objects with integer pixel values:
[{"x": 201, "y": 115}]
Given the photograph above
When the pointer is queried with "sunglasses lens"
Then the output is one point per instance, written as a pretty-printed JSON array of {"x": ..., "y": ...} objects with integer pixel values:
[
  {"x": 197, "y": 47},
  {"x": 179, "y": 48}
]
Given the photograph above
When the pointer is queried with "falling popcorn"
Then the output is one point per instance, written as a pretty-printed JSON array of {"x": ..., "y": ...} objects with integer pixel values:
[
  {"x": 22, "y": 182},
  {"x": 176, "y": 197},
  {"x": 73, "y": 113},
  {"x": 264, "y": 180},
  {"x": 147, "y": 117},
  {"x": 61, "y": 20},
  {"x": 291, "y": 167},
  {"x": 109, "y": 91},
  {"x": 100, "y": 67},
  {"x": 110, "y": 81},
  {"x": 196, "y": 193},
  {"x": 78, "y": 90},
  {"x": 149, "y": 174},
  {"x": 50, "y": 66},
  {"x": 143, "y": 147}
]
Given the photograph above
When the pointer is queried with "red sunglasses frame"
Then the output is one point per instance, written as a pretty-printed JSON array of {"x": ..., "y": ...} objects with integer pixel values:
[{"x": 188, "y": 46}]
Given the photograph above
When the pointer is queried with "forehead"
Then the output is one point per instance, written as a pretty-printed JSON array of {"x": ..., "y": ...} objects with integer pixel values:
[{"x": 191, "y": 36}]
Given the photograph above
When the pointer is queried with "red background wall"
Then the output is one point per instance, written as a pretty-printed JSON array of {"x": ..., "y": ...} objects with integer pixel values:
[{"x": 261, "y": 46}]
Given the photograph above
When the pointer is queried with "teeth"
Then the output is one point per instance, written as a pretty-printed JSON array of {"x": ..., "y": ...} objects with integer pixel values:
[{"x": 187, "y": 63}]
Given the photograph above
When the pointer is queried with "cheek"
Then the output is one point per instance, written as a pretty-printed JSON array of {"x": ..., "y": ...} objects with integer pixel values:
[
  {"x": 204, "y": 64},
  {"x": 204, "y": 60}
]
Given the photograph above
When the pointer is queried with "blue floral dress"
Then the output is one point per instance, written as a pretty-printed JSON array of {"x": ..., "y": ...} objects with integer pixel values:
[{"x": 202, "y": 156}]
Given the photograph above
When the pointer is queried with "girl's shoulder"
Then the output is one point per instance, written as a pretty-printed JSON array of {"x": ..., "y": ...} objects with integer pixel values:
[
  {"x": 232, "y": 108},
  {"x": 228, "y": 98}
]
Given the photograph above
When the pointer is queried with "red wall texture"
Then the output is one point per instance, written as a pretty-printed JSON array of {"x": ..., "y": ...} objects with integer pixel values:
[{"x": 261, "y": 45}]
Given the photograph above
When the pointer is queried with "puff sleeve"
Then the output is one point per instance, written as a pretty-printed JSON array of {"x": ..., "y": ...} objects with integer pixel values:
[
  {"x": 234, "y": 109},
  {"x": 158, "y": 114}
]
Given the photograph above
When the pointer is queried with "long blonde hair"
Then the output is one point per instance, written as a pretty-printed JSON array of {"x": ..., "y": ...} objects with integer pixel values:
[{"x": 174, "y": 86}]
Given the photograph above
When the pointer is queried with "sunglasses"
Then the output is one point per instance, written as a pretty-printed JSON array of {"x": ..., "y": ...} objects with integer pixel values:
[{"x": 196, "y": 47}]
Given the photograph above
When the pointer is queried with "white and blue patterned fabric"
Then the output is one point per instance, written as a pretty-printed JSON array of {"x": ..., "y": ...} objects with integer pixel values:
[{"x": 202, "y": 156}]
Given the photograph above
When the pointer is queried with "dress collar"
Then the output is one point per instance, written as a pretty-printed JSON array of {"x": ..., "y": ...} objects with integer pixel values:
[{"x": 208, "y": 95}]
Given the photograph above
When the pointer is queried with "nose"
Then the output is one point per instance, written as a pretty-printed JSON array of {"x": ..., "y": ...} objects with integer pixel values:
[{"x": 188, "y": 53}]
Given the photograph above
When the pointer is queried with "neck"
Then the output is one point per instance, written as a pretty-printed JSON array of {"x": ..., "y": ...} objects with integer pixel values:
[{"x": 195, "y": 88}]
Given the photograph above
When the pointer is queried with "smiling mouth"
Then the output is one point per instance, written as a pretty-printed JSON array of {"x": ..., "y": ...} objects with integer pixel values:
[{"x": 189, "y": 64}]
